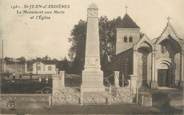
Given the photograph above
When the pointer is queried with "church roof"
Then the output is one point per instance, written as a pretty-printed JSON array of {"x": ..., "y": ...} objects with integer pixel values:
[
  {"x": 128, "y": 22},
  {"x": 168, "y": 31}
]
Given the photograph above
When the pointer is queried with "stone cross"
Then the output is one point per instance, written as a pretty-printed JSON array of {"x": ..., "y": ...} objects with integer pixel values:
[{"x": 126, "y": 8}]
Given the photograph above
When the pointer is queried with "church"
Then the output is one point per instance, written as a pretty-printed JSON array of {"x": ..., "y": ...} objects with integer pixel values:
[{"x": 157, "y": 62}]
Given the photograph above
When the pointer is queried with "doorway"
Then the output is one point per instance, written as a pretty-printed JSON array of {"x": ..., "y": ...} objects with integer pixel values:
[{"x": 163, "y": 77}]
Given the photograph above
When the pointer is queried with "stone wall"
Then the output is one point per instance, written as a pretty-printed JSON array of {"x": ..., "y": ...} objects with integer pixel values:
[
  {"x": 94, "y": 98},
  {"x": 72, "y": 96},
  {"x": 120, "y": 95},
  {"x": 66, "y": 96},
  {"x": 13, "y": 101}
]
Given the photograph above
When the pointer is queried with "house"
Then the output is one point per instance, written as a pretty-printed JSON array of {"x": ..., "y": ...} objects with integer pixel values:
[
  {"x": 16, "y": 66},
  {"x": 44, "y": 67}
]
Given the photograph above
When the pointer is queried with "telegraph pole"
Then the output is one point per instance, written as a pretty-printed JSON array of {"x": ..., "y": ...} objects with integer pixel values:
[{"x": 2, "y": 60}]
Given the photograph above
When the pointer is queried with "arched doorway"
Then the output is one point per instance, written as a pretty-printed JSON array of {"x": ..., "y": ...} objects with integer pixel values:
[
  {"x": 169, "y": 56},
  {"x": 164, "y": 74}
]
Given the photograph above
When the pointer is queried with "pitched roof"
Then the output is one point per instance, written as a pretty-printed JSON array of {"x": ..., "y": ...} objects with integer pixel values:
[
  {"x": 168, "y": 31},
  {"x": 119, "y": 60},
  {"x": 127, "y": 22}
]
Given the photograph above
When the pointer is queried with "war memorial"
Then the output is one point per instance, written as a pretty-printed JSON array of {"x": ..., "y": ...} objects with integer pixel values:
[{"x": 153, "y": 64}]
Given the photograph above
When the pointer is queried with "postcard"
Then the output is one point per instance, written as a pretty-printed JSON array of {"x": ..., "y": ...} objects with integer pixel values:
[{"x": 91, "y": 57}]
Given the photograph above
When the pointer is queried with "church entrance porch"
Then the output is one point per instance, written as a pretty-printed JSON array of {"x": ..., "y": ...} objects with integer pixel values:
[
  {"x": 168, "y": 62},
  {"x": 163, "y": 77},
  {"x": 144, "y": 64}
]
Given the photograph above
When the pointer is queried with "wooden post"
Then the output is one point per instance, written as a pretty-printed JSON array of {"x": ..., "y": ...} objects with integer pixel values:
[{"x": 2, "y": 60}]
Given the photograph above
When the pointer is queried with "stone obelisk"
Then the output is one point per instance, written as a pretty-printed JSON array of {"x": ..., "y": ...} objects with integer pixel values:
[{"x": 92, "y": 76}]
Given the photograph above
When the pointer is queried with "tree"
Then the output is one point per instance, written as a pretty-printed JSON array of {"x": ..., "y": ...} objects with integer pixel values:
[
  {"x": 46, "y": 58},
  {"x": 107, "y": 34},
  {"x": 77, "y": 51},
  {"x": 22, "y": 59}
]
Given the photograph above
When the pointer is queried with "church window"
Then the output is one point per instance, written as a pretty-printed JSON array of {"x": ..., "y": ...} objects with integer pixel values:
[
  {"x": 130, "y": 39},
  {"x": 125, "y": 39}
]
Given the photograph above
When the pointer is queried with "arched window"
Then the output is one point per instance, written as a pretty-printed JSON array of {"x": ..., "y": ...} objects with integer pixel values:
[
  {"x": 125, "y": 39},
  {"x": 130, "y": 39}
]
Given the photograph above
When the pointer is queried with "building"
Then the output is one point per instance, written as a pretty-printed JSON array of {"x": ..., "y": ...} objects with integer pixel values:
[
  {"x": 154, "y": 62},
  {"x": 17, "y": 66},
  {"x": 14, "y": 66},
  {"x": 44, "y": 67}
]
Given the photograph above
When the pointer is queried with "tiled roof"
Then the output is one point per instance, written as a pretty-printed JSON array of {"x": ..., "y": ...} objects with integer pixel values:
[
  {"x": 118, "y": 60},
  {"x": 127, "y": 22}
]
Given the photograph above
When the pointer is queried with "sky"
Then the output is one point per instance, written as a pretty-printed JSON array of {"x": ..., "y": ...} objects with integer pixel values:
[{"x": 35, "y": 38}]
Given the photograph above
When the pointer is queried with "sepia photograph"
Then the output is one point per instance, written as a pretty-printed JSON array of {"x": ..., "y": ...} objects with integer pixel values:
[{"x": 116, "y": 57}]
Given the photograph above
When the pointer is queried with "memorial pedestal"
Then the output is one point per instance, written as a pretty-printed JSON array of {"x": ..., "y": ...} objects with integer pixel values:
[
  {"x": 92, "y": 81},
  {"x": 92, "y": 88}
]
